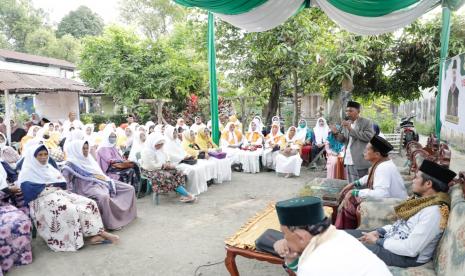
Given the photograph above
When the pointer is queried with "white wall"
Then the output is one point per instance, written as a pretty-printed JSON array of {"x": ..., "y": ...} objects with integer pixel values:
[{"x": 56, "y": 106}]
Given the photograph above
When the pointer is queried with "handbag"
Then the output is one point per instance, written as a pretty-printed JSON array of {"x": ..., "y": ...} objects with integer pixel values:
[
  {"x": 189, "y": 161},
  {"x": 201, "y": 155},
  {"x": 123, "y": 165},
  {"x": 266, "y": 241},
  {"x": 218, "y": 154}
]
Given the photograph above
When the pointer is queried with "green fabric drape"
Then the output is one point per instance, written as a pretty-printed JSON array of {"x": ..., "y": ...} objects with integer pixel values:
[
  {"x": 213, "y": 85},
  {"x": 454, "y": 4},
  {"x": 445, "y": 33},
  {"x": 372, "y": 8},
  {"x": 231, "y": 7}
]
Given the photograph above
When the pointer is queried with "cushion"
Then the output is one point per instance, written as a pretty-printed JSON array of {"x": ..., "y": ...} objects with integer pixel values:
[
  {"x": 450, "y": 255},
  {"x": 424, "y": 270},
  {"x": 377, "y": 212}
]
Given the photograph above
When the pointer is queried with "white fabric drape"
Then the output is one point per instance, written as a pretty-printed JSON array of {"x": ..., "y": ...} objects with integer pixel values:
[
  {"x": 264, "y": 17},
  {"x": 376, "y": 25}
]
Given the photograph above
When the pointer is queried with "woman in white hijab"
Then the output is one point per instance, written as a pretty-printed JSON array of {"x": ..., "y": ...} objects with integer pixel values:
[
  {"x": 157, "y": 167},
  {"x": 7, "y": 153},
  {"x": 116, "y": 200},
  {"x": 149, "y": 127},
  {"x": 288, "y": 161},
  {"x": 196, "y": 174},
  {"x": 137, "y": 146},
  {"x": 197, "y": 124},
  {"x": 181, "y": 124},
  {"x": 272, "y": 142},
  {"x": 321, "y": 132},
  {"x": 64, "y": 226},
  {"x": 252, "y": 149}
]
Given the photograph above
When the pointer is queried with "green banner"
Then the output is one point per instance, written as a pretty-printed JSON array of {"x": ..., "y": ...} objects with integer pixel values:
[
  {"x": 372, "y": 8},
  {"x": 213, "y": 85},
  {"x": 231, "y": 7}
]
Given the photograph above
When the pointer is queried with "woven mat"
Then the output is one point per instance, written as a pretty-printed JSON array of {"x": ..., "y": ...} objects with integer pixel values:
[{"x": 266, "y": 219}]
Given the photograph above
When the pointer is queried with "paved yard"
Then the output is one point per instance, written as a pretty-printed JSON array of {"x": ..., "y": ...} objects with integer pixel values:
[{"x": 174, "y": 238}]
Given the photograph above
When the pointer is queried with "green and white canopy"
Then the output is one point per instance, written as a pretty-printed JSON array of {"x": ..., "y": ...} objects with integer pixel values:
[{"x": 366, "y": 17}]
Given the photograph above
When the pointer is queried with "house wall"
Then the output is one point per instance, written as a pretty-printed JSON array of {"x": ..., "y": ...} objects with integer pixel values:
[
  {"x": 52, "y": 71},
  {"x": 56, "y": 106}
]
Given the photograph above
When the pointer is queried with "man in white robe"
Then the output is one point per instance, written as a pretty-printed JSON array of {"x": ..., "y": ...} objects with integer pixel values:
[
  {"x": 312, "y": 246},
  {"x": 412, "y": 239},
  {"x": 382, "y": 181},
  {"x": 72, "y": 122}
]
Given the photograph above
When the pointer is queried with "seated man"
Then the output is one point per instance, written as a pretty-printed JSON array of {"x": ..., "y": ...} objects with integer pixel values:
[
  {"x": 312, "y": 246},
  {"x": 412, "y": 239},
  {"x": 382, "y": 181}
]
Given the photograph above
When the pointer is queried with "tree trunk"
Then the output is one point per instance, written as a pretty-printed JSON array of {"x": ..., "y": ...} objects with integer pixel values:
[
  {"x": 272, "y": 106},
  {"x": 296, "y": 115},
  {"x": 335, "y": 113}
]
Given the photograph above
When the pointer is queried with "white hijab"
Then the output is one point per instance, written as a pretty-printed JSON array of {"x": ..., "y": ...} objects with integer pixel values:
[
  {"x": 321, "y": 132},
  {"x": 34, "y": 171},
  {"x": 74, "y": 155},
  {"x": 294, "y": 139},
  {"x": 106, "y": 139},
  {"x": 90, "y": 138},
  {"x": 258, "y": 125},
  {"x": 30, "y": 131},
  {"x": 301, "y": 133},
  {"x": 173, "y": 147},
  {"x": 156, "y": 139},
  {"x": 3, "y": 144},
  {"x": 137, "y": 146}
]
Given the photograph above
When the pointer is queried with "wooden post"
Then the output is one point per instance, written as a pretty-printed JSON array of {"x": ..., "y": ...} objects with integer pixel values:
[{"x": 7, "y": 118}]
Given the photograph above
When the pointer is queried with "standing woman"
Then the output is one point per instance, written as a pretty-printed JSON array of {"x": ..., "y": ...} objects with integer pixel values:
[
  {"x": 271, "y": 151},
  {"x": 288, "y": 160},
  {"x": 116, "y": 200},
  {"x": 334, "y": 150},
  {"x": 63, "y": 219},
  {"x": 15, "y": 229},
  {"x": 156, "y": 165}
]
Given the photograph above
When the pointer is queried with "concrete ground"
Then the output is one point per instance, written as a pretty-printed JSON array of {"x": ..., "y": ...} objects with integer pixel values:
[{"x": 175, "y": 238}]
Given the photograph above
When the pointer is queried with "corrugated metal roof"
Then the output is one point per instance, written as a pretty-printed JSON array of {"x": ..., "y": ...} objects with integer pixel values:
[
  {"x": 7, "y": 54},
  {"x": 19, "y": 82}
]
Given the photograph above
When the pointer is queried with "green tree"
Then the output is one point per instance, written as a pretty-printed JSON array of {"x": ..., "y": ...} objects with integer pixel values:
[
  {"x": 129, "y": 68},
  {"x": 80, "y": 23},
  {"x": 153, "y": 16},
  {"x": 67, "y": 48},
  {"x": 18, "y": 19},
  {"x": 41, "y": 42}
]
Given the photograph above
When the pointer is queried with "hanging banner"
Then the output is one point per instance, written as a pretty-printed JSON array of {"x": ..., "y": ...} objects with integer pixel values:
[{"x": 453, "y": 94}]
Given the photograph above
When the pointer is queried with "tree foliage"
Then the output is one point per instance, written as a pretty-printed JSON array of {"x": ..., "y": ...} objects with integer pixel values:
[
  {"x": 130, "y": 68},
  {"x": 80, "y": 23},
  {"x": 153, "y": 16},
  {"x": 18, "y": 19}
]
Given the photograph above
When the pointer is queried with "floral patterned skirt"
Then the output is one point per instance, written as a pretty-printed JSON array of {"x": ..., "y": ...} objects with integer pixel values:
[
  {"x": 63, "y": 219},
  {"x": 15, "y": 238},
  {"x": 164, "y": 181}
]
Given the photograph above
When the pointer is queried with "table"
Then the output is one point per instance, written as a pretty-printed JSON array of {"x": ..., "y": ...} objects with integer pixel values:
[
  {"x": 242, "y": 243},
  {"x": 232, "y": 252}
]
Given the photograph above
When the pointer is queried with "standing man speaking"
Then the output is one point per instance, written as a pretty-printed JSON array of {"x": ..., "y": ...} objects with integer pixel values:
[{"x": 356, "y": 134}]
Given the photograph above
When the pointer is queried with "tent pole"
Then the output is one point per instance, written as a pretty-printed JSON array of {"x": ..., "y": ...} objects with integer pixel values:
[
  {"x": 213, "y": 84},
  {"x": 445, "y": 33},
  {"x": 7, "y": 118}
]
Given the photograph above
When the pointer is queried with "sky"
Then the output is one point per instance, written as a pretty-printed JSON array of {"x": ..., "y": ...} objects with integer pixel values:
[{"x": 57, "y": 9}]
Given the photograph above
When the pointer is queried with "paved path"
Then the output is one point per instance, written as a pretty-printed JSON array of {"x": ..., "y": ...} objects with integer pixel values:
[{"x": 174, "y": 238}]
